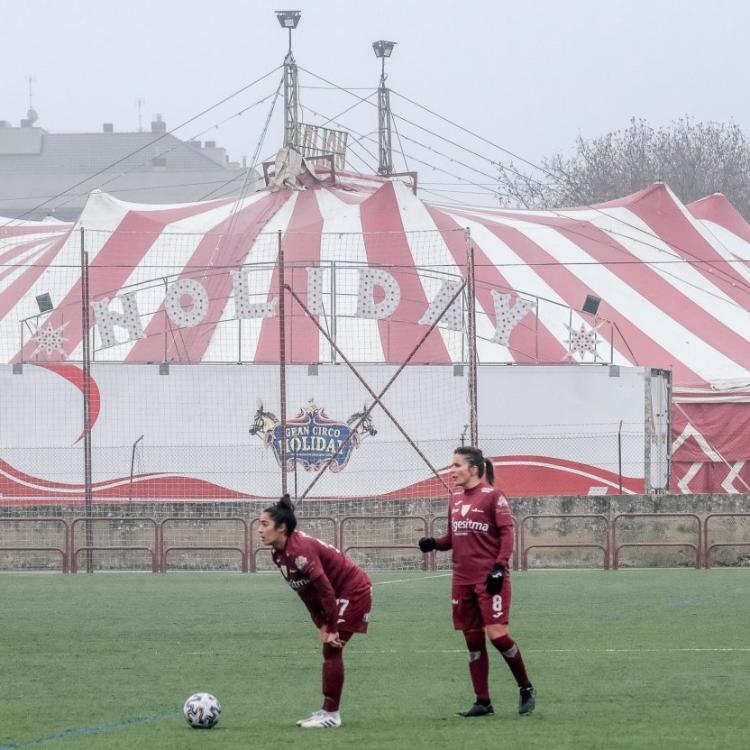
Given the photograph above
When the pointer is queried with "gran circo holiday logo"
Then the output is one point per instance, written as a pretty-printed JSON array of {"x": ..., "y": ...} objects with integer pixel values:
[{"x": 313, "y": 439}]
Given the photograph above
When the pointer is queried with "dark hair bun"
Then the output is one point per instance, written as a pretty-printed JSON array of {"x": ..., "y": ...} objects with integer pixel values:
[{"x": 286, "y": 502}]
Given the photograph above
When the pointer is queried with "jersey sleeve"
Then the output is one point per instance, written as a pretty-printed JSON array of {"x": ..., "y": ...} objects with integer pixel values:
[
  {"x": 445, "y": 542},
  {"x": 327, "y": 602},
  {"x": 323, "y": 601},
  {"x": 504, "y": 522}
]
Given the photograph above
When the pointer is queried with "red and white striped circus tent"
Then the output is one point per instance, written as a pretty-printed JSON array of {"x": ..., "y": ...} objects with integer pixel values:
[
  {"x": 673, "y": 280},
  {"x": 27, "y": 248}
]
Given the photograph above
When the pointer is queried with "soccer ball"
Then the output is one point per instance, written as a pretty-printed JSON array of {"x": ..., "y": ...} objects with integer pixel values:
[{"x": 202, "y": 710}]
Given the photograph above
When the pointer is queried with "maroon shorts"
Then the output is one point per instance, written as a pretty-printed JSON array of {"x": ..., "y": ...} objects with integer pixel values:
[
  {"x": 354, "y": 613},
  {"x": 474, "y": 608}
]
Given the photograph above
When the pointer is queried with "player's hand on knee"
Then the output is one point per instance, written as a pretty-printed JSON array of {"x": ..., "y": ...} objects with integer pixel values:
[
  {"x": 494, "y": 581},
  {"x": 333, "y": 639},
  {"x": 426, "y": 544}
]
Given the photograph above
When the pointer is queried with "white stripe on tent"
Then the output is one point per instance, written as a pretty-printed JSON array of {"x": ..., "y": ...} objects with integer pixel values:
[
  {"x": 162, "y": 263},
  {"x": 223, "y": 346},
  {"x": 524, "y": 279},
  {"x": 729, "y": 245},
  {"x": 689, "y": 349},
  {"x": 342, "y": 239},
  {"x": 640, "y": 242},
  {"x": 435, "y": 262}
]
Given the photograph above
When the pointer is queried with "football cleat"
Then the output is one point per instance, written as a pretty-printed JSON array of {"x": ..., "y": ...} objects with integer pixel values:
[
  {"x": 478, "y": 709},
  {"x": 322, "y": 720},
  {"x": 526, "y": 700},
  {"x": 313, "y": 715}
]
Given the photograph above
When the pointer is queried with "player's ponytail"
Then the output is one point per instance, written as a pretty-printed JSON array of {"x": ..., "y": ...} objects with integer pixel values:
[
  {"x": 489, "y": 472},
  {"x": 475, "y": 458},
  {"x": 283, "y": 512}
]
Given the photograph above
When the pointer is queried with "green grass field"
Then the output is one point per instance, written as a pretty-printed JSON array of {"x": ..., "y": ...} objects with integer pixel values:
[{"x": 628, "y": 659}]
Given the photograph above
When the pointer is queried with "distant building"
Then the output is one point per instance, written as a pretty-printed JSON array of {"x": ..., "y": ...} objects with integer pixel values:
[{"x": 152, "y": 167}]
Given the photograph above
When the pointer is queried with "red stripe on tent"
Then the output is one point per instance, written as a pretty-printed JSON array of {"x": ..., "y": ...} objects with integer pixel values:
[
  {"x": 657, "y": 209},
  {"x": 113, "y": 265},
  {"x": 718, "y": 209},
  {"x": 20, "y": 287},
  {"x": 301, "y": 243},
  {"x": 11, "y": 231},
  {"x": 524, "y": 345},
  {"x": 30, "y": 259},
  {"x": 353, "y": 194},
  {"x": 386, "y": 247},
  {"x": 225, "y": 247},
  {"x": 573, "y": 291},
  {"x": 24, "y": 247},
  {"x": 601, "y": 246}
]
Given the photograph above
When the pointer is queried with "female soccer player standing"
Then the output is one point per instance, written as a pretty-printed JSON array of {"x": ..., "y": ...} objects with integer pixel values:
[
  {"x": 336, "y": 592},
  {"x": 480, "y": 533}
]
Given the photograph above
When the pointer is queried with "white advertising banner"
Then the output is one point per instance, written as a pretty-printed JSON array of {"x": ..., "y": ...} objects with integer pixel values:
[{"x": 213, "y": 431}]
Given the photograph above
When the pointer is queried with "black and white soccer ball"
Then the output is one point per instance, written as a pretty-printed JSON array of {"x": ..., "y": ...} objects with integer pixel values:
[{"x": 202, "y": 710}]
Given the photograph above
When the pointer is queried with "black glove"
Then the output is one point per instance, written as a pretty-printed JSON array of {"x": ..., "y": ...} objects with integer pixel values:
[
  {"x": 494, "y": 581},
  {"x": 426, "y": 544}
]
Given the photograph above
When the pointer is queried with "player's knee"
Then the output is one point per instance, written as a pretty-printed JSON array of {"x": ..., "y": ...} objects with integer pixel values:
[
  {"x": 505, "y": 645},
  {"x": 475, "y": 641},
  {"x": 497, "y": 631},
  {"x": 331, "y": 653}
]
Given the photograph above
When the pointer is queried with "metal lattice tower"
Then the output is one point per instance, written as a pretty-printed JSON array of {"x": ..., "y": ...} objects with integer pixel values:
[
  {"x": 384, "y": 49},
  {"x": 289, "y": 20}
]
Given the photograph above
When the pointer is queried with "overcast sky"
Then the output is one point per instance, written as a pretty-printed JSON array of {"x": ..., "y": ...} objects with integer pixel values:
[{"x": 527, "y": 76}]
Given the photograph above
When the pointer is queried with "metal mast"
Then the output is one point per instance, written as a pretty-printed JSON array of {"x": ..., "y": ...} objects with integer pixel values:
[
  {"x": 382, "y": 50},
  {"x": 289, "y": 20}
]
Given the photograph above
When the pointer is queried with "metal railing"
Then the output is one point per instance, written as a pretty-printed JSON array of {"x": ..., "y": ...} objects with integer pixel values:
[{"x": 115, "y": 537}]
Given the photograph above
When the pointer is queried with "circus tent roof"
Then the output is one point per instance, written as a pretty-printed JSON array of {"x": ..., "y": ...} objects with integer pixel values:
[{"x": 673, "y": 279}]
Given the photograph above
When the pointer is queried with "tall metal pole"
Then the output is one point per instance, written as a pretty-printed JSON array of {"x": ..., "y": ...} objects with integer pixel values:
[
  {"x": 282, "y": 365},
  {"x": 385, "y": 158},
  {"x": 472, "y": 343},
  {"x": 291, "y": 118},
  {"x": 88, "y": 504}
]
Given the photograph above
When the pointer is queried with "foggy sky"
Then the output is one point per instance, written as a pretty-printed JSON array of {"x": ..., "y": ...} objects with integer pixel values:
[{"x": 529, "y": 77}]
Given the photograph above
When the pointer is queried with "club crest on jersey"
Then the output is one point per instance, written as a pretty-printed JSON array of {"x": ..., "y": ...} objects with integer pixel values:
[
  {"x": 465, "y": 509},
  {"x": 300, "y": 563},
  {"x": 313, "y": 439}
]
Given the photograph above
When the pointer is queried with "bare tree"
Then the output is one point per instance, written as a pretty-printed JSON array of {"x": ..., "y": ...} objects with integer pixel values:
[{"x": 694, "y": 158}]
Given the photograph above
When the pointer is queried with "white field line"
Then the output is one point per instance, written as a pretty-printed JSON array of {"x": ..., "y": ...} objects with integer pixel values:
[
  {"x": 411, "y": 580},
  {"x": 388, "y": 651}
]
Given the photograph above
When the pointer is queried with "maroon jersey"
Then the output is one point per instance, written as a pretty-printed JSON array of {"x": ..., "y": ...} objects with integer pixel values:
[
  {"x": 480, "y": 532},
  {"x": 322, "y": 576}
]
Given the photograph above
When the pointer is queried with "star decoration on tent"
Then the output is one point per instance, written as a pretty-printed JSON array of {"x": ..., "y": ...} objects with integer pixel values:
[
  {"x": 583, "y": 340},
  {"x": 50, "y": 340}
]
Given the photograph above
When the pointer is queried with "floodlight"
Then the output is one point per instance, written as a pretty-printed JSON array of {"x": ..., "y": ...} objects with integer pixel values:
[
  {"x": 383, "y": 48},
  {"x": 288, "y": 18},
  {"x": 44, "y": 302},
  {"x": 591, "y": 305}
]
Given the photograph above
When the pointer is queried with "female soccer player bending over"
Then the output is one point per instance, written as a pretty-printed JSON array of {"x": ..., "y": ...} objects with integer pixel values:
[
  {"x": 336, "y": 592},
  {"x": 480, "y": 533}
]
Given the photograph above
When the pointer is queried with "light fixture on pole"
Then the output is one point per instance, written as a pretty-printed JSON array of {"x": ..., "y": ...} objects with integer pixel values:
[
  {"x": 44, "y": 302},
  {"x": 383, "y": 49},
  {"x": 288, "y": 19},
  {"x": 591, "y": 304}
]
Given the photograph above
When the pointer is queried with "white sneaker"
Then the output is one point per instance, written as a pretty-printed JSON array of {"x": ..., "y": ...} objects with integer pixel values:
[
  {"x": 322, "y": 720},
  {"x": 313, "y": 715}
]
